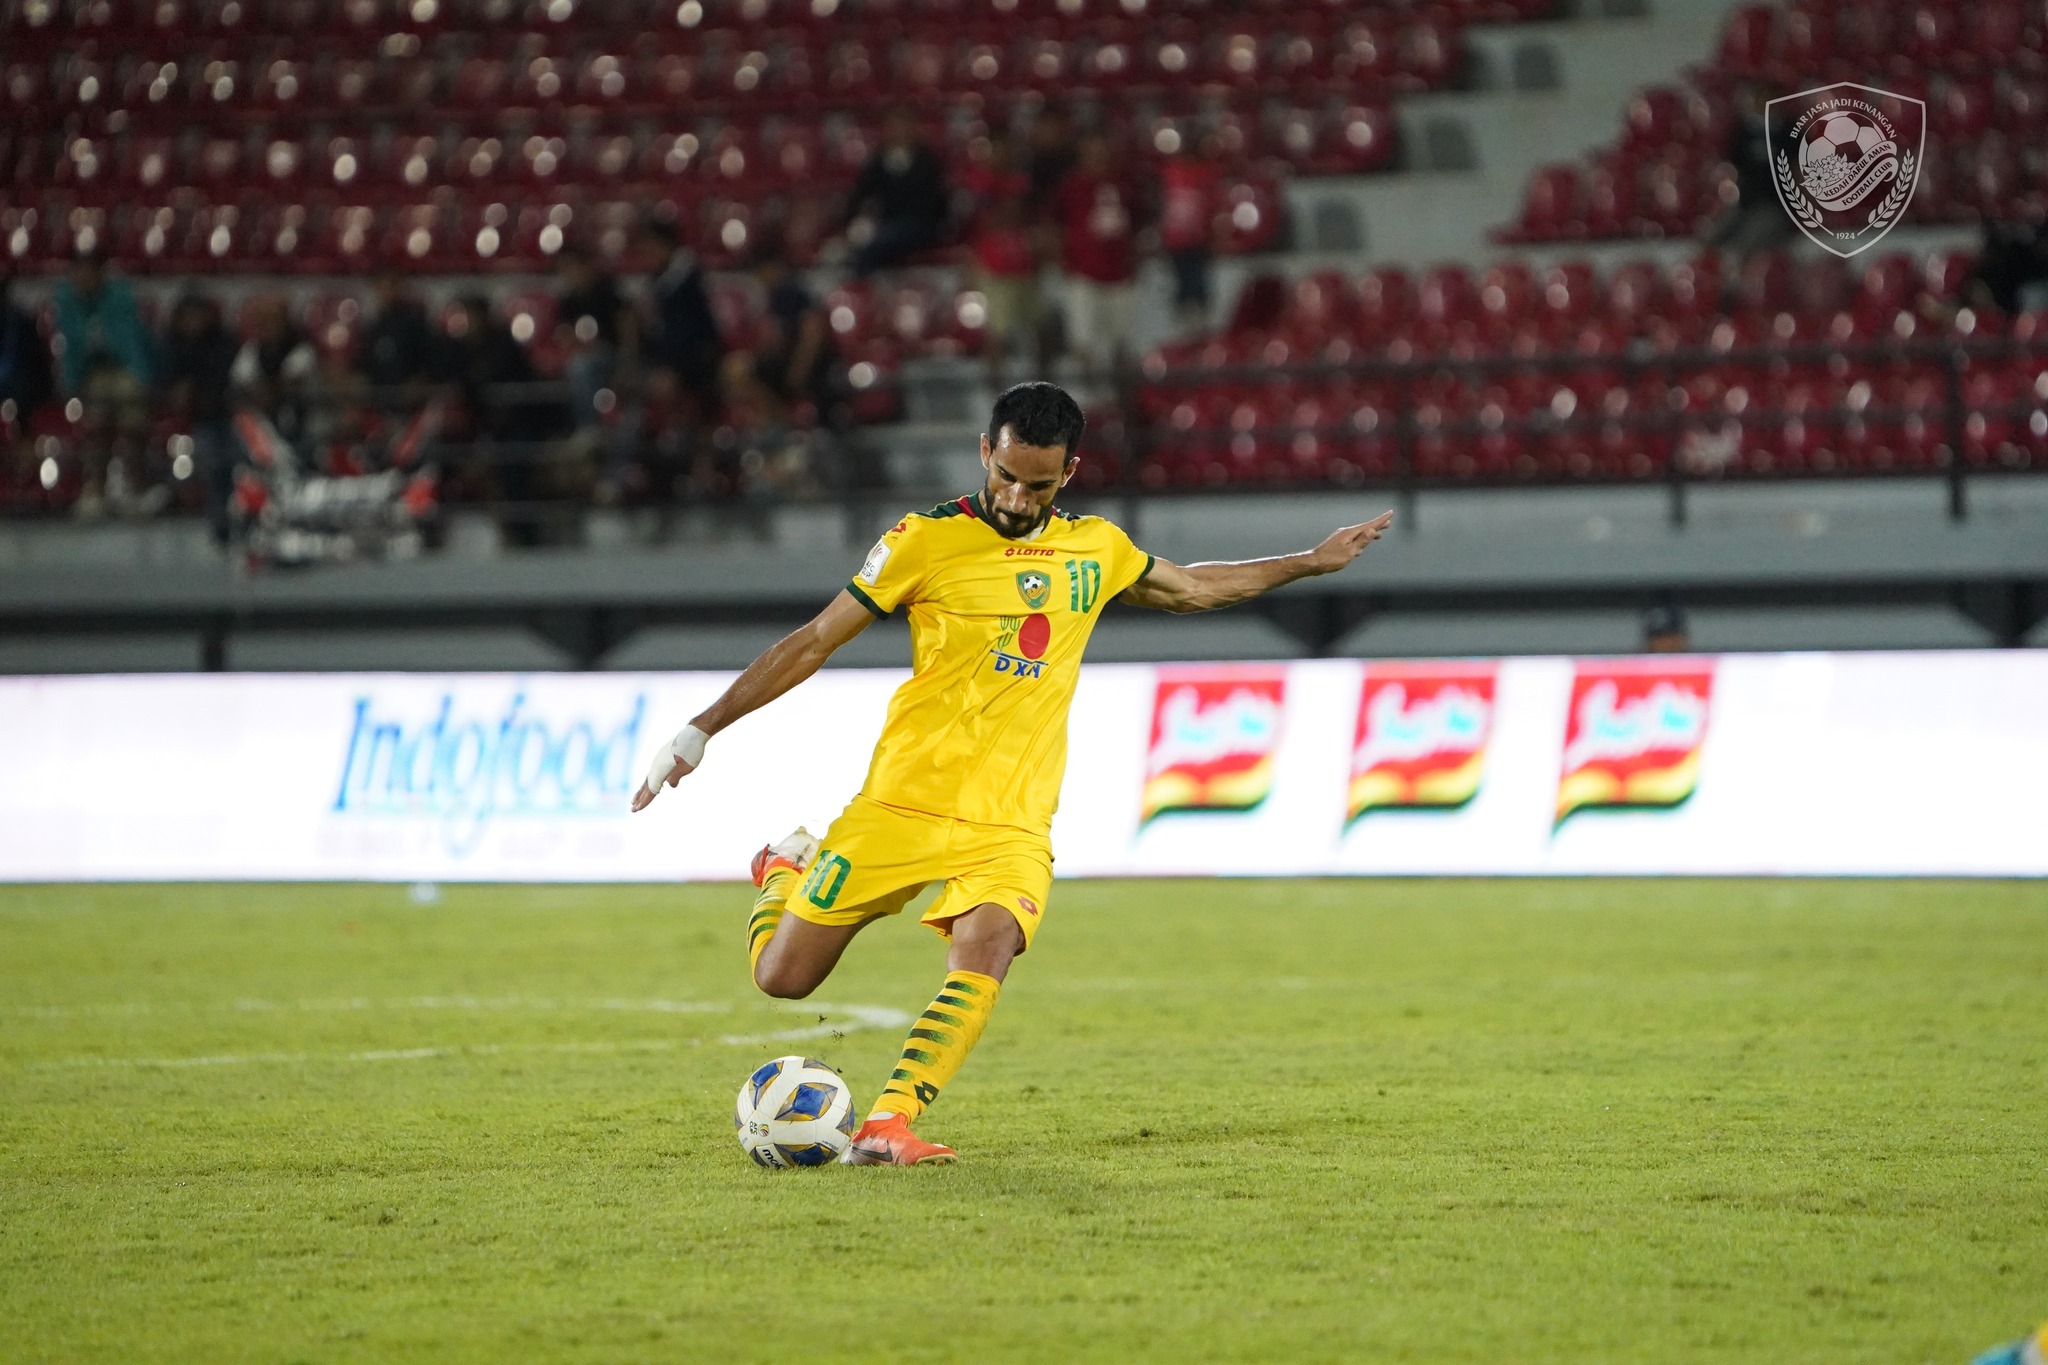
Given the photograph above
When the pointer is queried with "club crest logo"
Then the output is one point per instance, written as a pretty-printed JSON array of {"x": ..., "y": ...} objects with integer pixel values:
[
  {"x": 1845, "y": 159},
  {"x": 1034, "y": 587}
]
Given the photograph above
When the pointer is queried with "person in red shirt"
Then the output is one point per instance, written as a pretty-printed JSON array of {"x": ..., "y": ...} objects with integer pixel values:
[
  {"x": 1005, "y": 254},
  {"x": 1188, "y": 185},
  {"x": 1097, "y": 211}
]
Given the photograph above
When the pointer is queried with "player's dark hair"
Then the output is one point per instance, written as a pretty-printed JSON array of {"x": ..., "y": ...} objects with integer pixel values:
[{"x": 1038, "y": 414}]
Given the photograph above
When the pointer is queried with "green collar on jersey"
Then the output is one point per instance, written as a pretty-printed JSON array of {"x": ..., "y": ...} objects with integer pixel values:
[{"x": 976, "y": 505}]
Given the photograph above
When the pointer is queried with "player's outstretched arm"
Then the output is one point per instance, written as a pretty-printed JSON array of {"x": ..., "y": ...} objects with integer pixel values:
[
  {"x": 781, "y": 666},
  {"x": 1204, "y": 587}
]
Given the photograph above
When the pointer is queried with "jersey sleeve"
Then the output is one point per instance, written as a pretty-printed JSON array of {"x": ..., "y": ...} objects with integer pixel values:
[
  {"x": 1128, "y": 564},
  {"x": 894, "y": 571}
]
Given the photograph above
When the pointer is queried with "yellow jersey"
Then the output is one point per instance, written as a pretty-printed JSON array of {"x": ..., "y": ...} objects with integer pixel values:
[{"x": 997, "y": 627}]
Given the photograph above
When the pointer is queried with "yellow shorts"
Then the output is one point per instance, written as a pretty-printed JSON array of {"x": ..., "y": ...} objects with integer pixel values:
[{"x": 875, "y": 858}]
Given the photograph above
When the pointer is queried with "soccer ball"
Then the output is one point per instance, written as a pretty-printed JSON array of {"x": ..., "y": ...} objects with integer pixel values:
[{"x": 794, "y": 1111}]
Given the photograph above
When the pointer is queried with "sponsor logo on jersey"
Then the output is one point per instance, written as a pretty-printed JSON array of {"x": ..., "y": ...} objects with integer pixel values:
[
  {"x": 1420, "y": 738},
  {"x": 1017, "y": 667},
  {"x": 1214, "y": 734},
  {"x": 1027, "y": 551},
  {"x": 1634, "y": 735},
  {"x": 1034, "y": 587},
  {"x": 1020, "y": 649},
  {"x": 462, "y": 766},
  {"x": 1030, "y": 906}
]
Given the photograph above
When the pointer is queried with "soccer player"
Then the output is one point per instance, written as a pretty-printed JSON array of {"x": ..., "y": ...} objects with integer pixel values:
[{"x": 1002, "y": 589}]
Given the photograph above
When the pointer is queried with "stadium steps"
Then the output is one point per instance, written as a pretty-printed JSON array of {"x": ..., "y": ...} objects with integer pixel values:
[{"x": 1539, "y": 92}]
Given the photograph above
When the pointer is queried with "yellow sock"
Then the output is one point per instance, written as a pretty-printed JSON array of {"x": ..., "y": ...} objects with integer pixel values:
[
  {"x": 775, "y": 889},
  {"x": 939, "y": 1041}
]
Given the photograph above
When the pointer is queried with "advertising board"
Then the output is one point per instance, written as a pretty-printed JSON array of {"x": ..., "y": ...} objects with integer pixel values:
[{"x": 1815, "y": 764}]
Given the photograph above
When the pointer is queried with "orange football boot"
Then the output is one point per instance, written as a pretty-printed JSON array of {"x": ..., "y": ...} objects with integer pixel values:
[
  {"x": 888, "y": 1141},
  {"x": 794, "y": 852}
]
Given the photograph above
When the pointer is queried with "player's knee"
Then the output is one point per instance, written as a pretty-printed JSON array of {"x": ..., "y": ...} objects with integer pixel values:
[
  {"x": 780, "y": 982},
  {"x": 985, "y": 939}
]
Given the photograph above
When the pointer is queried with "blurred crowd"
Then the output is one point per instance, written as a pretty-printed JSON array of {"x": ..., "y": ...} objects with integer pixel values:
[
  {"x": 651, "y": 402},
  {"x": 644, "y": 391}
]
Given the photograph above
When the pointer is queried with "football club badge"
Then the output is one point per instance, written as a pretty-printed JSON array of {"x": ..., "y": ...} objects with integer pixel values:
[
  {"x": 1214, "y": 734},
  {"x": 1420, "y": 741},
  {"x": 1034, "y": 587},
  {"x": 1633, "y": 737},
  {"x": 1845, "y": 159}
]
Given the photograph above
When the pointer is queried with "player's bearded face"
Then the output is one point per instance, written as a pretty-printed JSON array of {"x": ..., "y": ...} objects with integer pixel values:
[{"x": 1023, "y": 480}]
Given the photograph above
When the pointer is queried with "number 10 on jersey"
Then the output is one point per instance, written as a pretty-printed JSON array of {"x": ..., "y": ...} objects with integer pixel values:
[{"x": 1084, "y": 584}]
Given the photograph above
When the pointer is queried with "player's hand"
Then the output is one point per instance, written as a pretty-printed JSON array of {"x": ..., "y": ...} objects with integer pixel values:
[
  {"x": 1347, "y": 544},
  {"x": 677, "y": 760}
]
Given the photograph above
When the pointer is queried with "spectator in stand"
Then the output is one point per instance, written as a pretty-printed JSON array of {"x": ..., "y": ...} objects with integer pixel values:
[
  {"x": 778, "y": 393},
  {"x": 25, "y": 380},
  {"x": 276, "y": 370},
  {"x": 482, "y": 356},
  {"x": 511, "y": 429},
  {"x": 684, "y": 342},
  {"x": 901, "y": 195},
  {"x": 1756, "y": 221},
  {"x": 1188, "y": 228},
  {"x": 198, "y": 363},
  {"x": 602, "y": 338},
  {"x": 787, "y": 369},
  {"x": 1665, "y": 630},
  {"x": 399, "y": 349},
  {"x": 682, "y": 350},
  {"x": 1051, "y": 158},
  {"x": 1097, "y": 209},
  {"x": 2011, "y": 273},
  {"x": 1005, "y": 255},
  {"x": 105, "y": 360}
]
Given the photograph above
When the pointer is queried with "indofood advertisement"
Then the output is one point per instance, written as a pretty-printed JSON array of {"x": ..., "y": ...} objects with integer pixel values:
[{"x": 1825, "y": 764}]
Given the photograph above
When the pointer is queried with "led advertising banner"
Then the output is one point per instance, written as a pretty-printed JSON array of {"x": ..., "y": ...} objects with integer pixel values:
[{"x": 1821, "y": 764}]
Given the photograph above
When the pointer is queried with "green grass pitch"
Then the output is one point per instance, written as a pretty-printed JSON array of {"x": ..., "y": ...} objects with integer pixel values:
[{"x": 1422, "y": 1121}]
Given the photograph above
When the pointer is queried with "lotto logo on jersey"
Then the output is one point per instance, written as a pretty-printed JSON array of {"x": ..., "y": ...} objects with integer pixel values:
[
  {"x": 1214, "y": 734},
  {"x": 1634, "y": 735},
  {"x": 1420, "y": 740}
]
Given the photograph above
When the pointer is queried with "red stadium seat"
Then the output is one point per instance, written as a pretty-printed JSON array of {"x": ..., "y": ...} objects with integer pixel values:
[
  {"x": 1322, "y": 307},
  {"x": 1252, "y": 217},
  {"x": 1746, "y": 41},
  {"x": 1386, "y": 301},
  {"x": 1429, "y": 52},
  {"x": 1553, "y": 208}
]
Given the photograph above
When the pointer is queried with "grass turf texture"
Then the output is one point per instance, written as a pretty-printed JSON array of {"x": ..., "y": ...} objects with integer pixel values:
[{"x": 1213, "y": 1120}]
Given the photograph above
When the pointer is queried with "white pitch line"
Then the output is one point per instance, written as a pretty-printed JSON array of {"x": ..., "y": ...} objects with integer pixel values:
[
  {"x": 866, "y": 1016},
  {"x": 859, "y": 1017},
  {"x": 504, "y": 1004}
]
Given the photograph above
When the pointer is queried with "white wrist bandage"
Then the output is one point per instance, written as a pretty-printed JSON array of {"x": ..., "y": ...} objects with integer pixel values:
[{"x": 686, "y": 748}]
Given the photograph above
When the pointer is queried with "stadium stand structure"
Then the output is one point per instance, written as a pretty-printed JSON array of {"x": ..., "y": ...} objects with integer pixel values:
[
  {"x": 1413, "y": 298},
  {"x": 1981, "y": 68}
]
